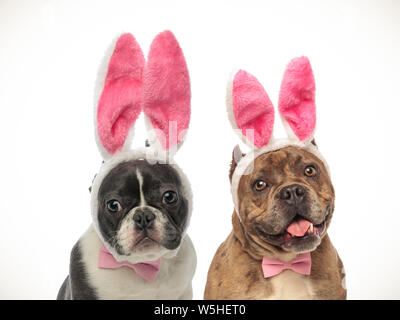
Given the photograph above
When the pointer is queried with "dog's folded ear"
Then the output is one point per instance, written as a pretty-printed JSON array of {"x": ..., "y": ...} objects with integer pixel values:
[
  {"x": 297, "y": 100},
  {"x": 237, "y": 155},
  {"x": 120, "y": 101},
  {"x": 314, "y": 143},
  {"x": 250, "y": 110}
]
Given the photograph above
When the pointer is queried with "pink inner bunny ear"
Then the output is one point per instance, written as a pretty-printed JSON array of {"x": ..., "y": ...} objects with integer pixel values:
[
  {"x": 297, "y": 98},
  {"x": 252, "y": 109},
  {"x": 120, "y": 102},
  {"x": 166, "y": 91}
]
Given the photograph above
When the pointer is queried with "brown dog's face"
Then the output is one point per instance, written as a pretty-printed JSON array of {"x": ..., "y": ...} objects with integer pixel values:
[{"x": 287, "y": 201}]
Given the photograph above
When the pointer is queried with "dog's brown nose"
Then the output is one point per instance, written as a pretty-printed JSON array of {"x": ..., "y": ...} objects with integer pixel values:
[
  {"x": 293, "y": 194},
  {"x": 144, "y": 219}
]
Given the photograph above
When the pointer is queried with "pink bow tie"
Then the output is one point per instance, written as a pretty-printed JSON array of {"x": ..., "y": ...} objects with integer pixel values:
[
  {"x": 301, "y": 264},
  {"x": 147, "y": 270}
]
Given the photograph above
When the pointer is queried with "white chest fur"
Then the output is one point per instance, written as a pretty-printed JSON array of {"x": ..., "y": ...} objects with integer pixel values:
[
  {"x": 173, "y": 281},
  {"x": 289, "y": 285}
]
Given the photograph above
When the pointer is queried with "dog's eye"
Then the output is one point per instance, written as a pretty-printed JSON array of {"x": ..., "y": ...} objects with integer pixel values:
[
  {"x": 114, "y": 206},
  {"x": 310, "y": 171},
  {"x": 170, "y": 197},
  {"x": 260, "y": 185}
]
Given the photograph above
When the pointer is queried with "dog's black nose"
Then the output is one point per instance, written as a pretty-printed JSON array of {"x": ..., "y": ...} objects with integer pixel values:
[
  {"x": 144, "y": 219},
  {"x": 293, "y": 194}
]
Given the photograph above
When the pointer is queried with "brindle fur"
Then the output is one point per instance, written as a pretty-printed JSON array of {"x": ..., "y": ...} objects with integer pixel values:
[{"x": 235, "y": 272}]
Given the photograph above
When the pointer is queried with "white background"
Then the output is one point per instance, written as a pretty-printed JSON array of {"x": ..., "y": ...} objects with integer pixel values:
[{"x": 49, "y": 54}]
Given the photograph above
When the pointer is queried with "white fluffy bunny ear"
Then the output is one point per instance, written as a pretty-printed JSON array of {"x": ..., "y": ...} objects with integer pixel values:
[
  {"x": 120, "y": 102},
  {"x": 297, "y": 99},
  {"x": 250, "y": 110},
  {"x": 166, "y": 92}
]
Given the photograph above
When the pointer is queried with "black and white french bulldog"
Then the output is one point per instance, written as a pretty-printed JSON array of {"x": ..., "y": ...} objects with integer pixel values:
[{"x": 141, "y": 201}]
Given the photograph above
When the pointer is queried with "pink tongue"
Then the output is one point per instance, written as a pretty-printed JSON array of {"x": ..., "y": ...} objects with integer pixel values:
[{"x": 298, "y": 228}]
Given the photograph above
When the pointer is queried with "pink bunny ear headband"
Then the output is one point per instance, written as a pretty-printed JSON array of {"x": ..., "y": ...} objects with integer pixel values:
[
  {"x": 160, "y": 88},
  {"x": 126, "y": 86},
  {"x": 251, "y": 114}
]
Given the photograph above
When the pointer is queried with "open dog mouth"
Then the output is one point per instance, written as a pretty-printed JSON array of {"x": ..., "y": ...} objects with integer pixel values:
[
  {"x": 299, "y": 230},
  {"x": 301, "y": 227}
]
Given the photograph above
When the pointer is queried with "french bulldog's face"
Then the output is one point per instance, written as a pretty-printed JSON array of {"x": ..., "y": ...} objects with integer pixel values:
[
  {"x": 142, "y": 208},
  {"x": 287, "y": 201}
]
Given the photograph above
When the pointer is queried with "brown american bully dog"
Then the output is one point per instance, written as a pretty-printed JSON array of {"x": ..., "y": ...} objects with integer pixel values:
[{"x": 283, "y": 196}]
